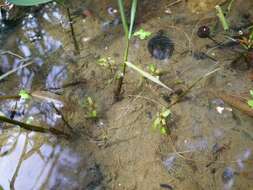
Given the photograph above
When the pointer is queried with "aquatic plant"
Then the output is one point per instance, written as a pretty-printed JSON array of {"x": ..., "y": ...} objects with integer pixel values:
[
  {"x": 222, "y": 18},
  {"x": 250, "y": 102},
  {"x": 247, "y": 42},
  {"x": 90, "y": 106},
  {"x": 152, "y": 68},
  {"x": 107, "y": 62},
  {"x": 128, "y": 35},
  {"x": 142, "y": 34},
  {"x": 161, "y": 121},
  {"x": 24, "y": 94}
]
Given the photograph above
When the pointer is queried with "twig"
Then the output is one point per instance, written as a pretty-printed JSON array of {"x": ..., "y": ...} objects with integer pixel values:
[
  {"x": 11, "y": 53},
  {"x": 62, "y": 117},
  {"x": 34, "y": 127},
  {"x": 73, "y": 32},
  {"x": 174, "y": 3},
  {"x": 179, "y": 154},
  {"x": 75, "y": 83},
  {"x": 191, "y": 86},
  {"x": 9, "y": 97},
  {"x": 14, "y": 70}
]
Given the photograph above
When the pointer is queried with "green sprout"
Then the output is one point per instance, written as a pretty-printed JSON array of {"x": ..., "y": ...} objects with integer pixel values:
[
  {"x": 142, "y": 34},
  {"x": 250, "y": 102},
  {"x": 161, "y": 121},
  {"x": 152, "y": 68},
  {"x": 24, "y": 94},
  {"x": 90, "y": 105},
  {"x": 107, "y": 62}
]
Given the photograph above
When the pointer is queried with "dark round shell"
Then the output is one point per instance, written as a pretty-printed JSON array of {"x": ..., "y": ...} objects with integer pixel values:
[{"x": 160, "y": 47}]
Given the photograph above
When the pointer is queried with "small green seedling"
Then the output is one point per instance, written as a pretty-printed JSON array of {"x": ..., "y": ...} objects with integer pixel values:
[
  {"x": 250, "y": 102},
  {"x": 161, "y": 121},
  {"x": 24, "y": 94},
  {"x": 90, "y": 105},
  {"x": 142, "y": 34},
  {"x": 153, "y": 70},
  {"x": 107, "y": 62}
]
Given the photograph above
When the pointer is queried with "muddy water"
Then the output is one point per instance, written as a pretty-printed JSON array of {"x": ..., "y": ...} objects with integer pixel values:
[{"x": 210, "y": 145}]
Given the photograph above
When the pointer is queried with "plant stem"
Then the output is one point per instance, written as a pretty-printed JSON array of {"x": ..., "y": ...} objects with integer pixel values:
[
  {"x": 123, "y": 67},
  {"x": 222, "y": 18},
  {"x": 122, "y": 74},
  {"x": 128, "y": 35}
]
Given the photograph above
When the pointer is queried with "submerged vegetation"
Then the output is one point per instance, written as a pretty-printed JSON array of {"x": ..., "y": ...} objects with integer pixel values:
[{"x": 66, "y": 77}]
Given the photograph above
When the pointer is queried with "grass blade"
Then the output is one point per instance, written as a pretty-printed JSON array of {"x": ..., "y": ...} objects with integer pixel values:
[
  {"x": 222, "y": 18},
  {"x": 148, "y": 76},
  {"x": 132, "y": 18},
  {"x": 123, "y": 16}
]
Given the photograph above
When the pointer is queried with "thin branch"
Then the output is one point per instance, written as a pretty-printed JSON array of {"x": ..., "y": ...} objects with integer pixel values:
[
  {"x": 34, "y": 127},
  {"x": 73, "y": 32},
  {"x": 14, "y": 70}
]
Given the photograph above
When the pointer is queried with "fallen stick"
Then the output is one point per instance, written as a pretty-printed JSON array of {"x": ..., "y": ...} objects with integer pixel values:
[
  {"x": 34, "y": 127},
  {"x": 234, "y": 101}
]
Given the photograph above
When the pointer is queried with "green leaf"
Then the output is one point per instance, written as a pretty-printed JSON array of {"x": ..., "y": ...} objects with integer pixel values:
[
  {"x": 250, "y": 103},
  {"x": 157, "y": 123},
  {"x": 1, "y": 188},
  {"x": 152, "y": 68},
  {"x": 94, "y": 114},
  {"x": 24, "y": 94},
  {"x": 251, "y": 35},
  {"x": 28, "y": 2},
  {"x": 251, "y": 92},
  {"x": 132, "y": 18},
  {"x": 30, "y": 120},
  {"x": 163, "y": 131},
  {"x": 142, "y": 34},
  {"x": 166, "y": 113}
]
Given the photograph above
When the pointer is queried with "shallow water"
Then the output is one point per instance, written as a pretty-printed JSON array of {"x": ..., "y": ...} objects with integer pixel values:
[{"x": 210, "y": 144}]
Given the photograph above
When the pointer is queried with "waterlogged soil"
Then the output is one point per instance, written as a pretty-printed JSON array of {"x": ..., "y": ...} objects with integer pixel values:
[{"x": 210, "y": 143}]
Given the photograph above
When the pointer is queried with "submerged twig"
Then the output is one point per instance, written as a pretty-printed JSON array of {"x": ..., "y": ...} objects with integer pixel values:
[
  {"x": 174, "y": 3},
  {"x": 234, "y": 101},
  {"x": 10, "y": 97},
  {"x": 62, "y": 117},
  {"x": 14, "y": 70},
  {"x": 11, "y": 53},
  {"x": 34, "y": 127},
  {"x": 70, "y": 84},
  {"x": 179, "y": 98},
  {"x": 73, "y": 32}
]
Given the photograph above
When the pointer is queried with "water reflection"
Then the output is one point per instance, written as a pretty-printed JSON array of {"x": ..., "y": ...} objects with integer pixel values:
[
  {"x": 37, "y": 162},
  {"x": 56, "y": 76}
]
